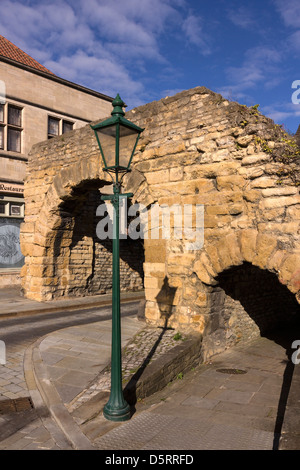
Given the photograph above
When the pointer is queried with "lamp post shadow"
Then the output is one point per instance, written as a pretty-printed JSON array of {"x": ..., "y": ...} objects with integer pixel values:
[
  {"x": 285, "y": 338},
  {"x": 164, "y": 299}
]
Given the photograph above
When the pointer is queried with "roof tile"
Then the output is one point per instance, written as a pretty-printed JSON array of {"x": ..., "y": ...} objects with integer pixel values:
[{"x": 9, "y": 50}]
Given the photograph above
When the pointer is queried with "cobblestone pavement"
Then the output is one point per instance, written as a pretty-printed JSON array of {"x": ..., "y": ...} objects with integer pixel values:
[{"x": 134, "y": 355}]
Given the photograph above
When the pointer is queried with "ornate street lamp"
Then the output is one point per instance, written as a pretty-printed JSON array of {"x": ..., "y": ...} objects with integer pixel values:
[{"x": 117, "y": 139}]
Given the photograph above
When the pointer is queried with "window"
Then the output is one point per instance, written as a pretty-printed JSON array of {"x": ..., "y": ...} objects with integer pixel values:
[
  {"x": 14, "y": 116},
  {"x": 10, "y": 128},
  {"x": 67, "y": 126},
  {"x": 58, "y": 126},
  {"x": 11, "y": 207},
  {"x": 15, "y": 210},
  {"x": 53, "y": 127}
]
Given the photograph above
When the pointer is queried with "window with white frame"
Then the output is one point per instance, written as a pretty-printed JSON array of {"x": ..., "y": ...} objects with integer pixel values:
[
  {"x": 11, "y": 207},
  {"x": 10, "y": 128}
]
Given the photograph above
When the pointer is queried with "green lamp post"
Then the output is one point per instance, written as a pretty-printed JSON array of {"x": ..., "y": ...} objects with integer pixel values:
[{"x": 117, "y": 139}]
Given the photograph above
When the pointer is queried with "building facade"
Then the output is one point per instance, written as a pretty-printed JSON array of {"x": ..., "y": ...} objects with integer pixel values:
[{"x": 35, "y": 105}]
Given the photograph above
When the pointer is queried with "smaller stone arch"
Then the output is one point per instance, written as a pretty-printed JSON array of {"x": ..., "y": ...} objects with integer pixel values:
[
  {"x": 249, "y": 254},
  {"x": 247, "y": 302},
  {"x": 249, "y": 245},
  {"x": 48, "y": 245}
]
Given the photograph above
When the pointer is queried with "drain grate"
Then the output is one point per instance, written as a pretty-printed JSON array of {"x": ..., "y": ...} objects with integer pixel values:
[
  {"x": 15, "y": 405},
  {"x": 232, "y": 371}
]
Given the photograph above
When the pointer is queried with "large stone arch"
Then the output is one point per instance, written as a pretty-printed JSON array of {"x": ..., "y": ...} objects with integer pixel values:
[{"x": 47, "y": 245}]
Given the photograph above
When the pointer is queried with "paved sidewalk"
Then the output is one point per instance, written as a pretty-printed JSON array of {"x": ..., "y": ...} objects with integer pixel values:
[{"x": 245, "y": 398}]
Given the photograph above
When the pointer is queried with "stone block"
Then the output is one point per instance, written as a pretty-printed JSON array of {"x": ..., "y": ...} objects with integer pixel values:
[
  {"x": 290, "y": 270},
  {"x": 275, "y": 260},
  {"x": 280, "y": 201},
  {"x": 263, "y": 182},
  {"x": 265, "y": 246},
  {"x": 199, "y": 322},
  {"x": 189, "y": 292},
  {"x": 255, "y": 159},
  {"x": 152, "y": 313},
  {"x": 155, "y": 251},
  {"x": 252, "y": 195},
  {"x": 221, "y": 209},
  {"x": 214, "y": 257},
  {"x": 230, "y": 182},
  {"x": 37, "y": 250},
  {"x": 153, "y": 283},
  {"x": 244, "y": 140},
  {"x": 175, "y": 281},
  {"x": 280, "y": 191},
  {"x": 201, "y": 299},
  {"x": 183, "y": 259},
  {"x": 157, "y": 177},
  {"x": 154, "y": 269},
  {"x": 202, "y": 273},
  {"x": 176, "y": 174},
  {"x": 247, "y": 239}
]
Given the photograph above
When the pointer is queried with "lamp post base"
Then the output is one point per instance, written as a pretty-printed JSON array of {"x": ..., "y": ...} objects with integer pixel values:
[{"x": 117, "y": 414}]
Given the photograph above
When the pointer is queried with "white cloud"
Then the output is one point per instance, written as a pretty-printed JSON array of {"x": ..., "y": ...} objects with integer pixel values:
[
  {"x": 241, "y": 17},
  {"x": 282, "y": 111},
  {"x": 290, "y": 12},
  {"x": 100, "y": 42},
  {"x": 260, "y": 65},
  {"x": 192, "y": 27}
]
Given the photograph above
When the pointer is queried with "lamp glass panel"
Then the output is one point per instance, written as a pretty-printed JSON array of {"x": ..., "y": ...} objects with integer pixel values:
[
  {"x": 107, "y": 139},
  {"x": 127, "y": 142}
]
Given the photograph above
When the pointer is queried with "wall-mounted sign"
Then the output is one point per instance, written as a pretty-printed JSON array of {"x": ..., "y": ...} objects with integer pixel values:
[{"x": 11, "y": 188}]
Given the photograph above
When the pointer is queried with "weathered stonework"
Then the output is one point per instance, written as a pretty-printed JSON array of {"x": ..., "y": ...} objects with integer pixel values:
[{"x": 197, "y": 148}]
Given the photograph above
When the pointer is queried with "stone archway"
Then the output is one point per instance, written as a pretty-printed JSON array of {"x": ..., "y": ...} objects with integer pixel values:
[
  {"x": 197, "y": 149},
  {"x": 63, "y": 256},
  {"x": 247, "y": 302}
]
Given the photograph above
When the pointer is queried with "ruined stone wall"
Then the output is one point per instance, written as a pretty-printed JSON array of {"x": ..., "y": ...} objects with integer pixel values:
[
  {"x": 196, "y": 149},
  {"x": 240, "y": 166}
]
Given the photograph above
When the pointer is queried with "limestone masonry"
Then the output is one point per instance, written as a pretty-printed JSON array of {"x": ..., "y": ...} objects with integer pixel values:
[{"x": 196, "y": 149}]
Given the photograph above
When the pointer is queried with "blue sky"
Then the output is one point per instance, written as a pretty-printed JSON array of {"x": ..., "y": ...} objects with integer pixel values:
[{"x": 147, "y": 49}]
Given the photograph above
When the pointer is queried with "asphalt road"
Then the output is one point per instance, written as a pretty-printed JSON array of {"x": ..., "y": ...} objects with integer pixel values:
[
  {"x": 26, "y": 329},
  {"x": 24, "y": 428}
]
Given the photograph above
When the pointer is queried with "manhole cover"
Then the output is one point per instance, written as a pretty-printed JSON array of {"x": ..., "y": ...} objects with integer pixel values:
[
  {"x": 15, "y": 405},
  {"x": 232, "y": 371}
]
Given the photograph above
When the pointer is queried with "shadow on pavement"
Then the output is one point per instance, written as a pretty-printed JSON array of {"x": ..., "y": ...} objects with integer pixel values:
[{"x": 285, "y": 338}]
